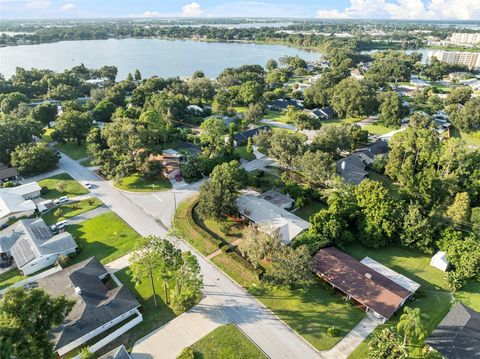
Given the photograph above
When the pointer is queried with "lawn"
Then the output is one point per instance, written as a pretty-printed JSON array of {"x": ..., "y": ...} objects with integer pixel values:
[
  {"x": 72, "y": 150},
  {"x": 70, "y": 210},
  {"x": 61, "y": 185},
  {"x": 378, "y": 129},
  {"x": 153, "y": 317},
  {"x": 394, "y": 189},
  {"x": 237, "y": 268},
  {"x": 242, "y": 152},
  {"x": 277, "y": 116},
  {"x": 47, "y": 136},
  {"x": 309, "y": 209},
  {"x": 432, "y": 298},
  {"x": 263, "y": 180},
  {"x": 10, "y": 277},
  {"x": 87, "y": 162},
  {"x": 471, "y": 139},
  {"x": 226, "y": 341},
  {"x": 311, "y": 312},
  {"x": 106, "y": 237},
  {"x": 135, "y": 183}
]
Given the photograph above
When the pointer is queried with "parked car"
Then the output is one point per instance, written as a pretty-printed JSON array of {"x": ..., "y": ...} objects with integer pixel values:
[
  {"x": 88, "y": 185},
  {"x": 59, "y": 225},
  {"x": 5, "y": 260},
  {"x": 61, "y": 200}
]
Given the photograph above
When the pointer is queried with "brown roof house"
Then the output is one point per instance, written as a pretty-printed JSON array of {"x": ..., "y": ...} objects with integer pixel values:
[
  {"x": 375, "y": 287},
  {"x": 8, "y": 173},
  {"x": 170, "y": 160}
]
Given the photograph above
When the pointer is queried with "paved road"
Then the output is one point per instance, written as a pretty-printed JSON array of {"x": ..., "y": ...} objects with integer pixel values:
[{"x": 275, "y": 338}]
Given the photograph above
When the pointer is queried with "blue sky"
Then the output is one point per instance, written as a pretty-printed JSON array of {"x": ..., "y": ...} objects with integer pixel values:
[{"x": 383, "y": 9}]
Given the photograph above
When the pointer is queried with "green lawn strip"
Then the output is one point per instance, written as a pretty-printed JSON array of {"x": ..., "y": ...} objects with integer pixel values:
[
  {"x": 135, "y": 183},
  {"x": 87, "y": 162},
  {"x": 309, "y": 209},
  {"x": 70, "y": 210},
  {"x": 153, "y": 317},
  {"x": 470, "y": 295},
  {"x": 277, "y": 116},
  {"x": 72, "y": 150},
  {"x": 432, "y": 298},
  {"x": 378, "y": 129},
  {"x": 61, "y": 185},
  {"x": 312, "y": 311},
  {"x": 10, "y": 277},
  {"x": 263, "y": 180},
  {"x": 237, "y": 268},
  {"x": 244, "y": 154},
  {"x": 226, "y": 341},
  {"x": 106, "y": 237},
  {"x": 240, "y": 109},
  {"x": 187, "y": 229},
  {"x": 227, "y": 230},
  {"x": 47, "y": 136}
]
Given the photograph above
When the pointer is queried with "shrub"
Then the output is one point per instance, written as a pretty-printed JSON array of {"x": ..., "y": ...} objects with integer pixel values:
[
  {"x": 332, "y": 331},
  {"x": 43, "y": 191},
  {"x": 63, "y": 261},
  {"x": 186, "y": 353},
  {"x": 60, "y": 186},
  {"x": 8, "y": 184}
]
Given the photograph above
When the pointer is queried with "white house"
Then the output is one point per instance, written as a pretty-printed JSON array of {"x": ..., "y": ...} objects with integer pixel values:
[
  {"x": 271, "y": 218},
  {"x": 33, "y": 246},
  {"x": 98, "y": 307},
  {"x": 439, "y": 260},
  {"x": 15, "y": 202}
]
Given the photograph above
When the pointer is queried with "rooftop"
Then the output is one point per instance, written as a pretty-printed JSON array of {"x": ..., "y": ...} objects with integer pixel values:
[
  {"x": 277, "y": 198},
  {"x": 362, "y": 283},
  {"x": 352, "y": 169}
]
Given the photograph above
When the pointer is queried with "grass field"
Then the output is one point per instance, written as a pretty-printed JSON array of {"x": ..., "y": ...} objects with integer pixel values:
[
  {"x": 263, "y": 180},
  {"x": 432, "y": 298},
  {"x": 47, "y": 136},
  {"x": 9, "y": 277},
  {"x": 277, "y": 116},
  {"x": 471, "y": 139},
  {"x": 153, "y": 317},
  {"x": 378, "y": 129},
  {"x": 243, "y": 153},
  {"x": 106, "y": 237},
  {"x": 311, "y": 312},
  {"x": 135, "y": 183},
  {"x": 61, "y": 185},
  {"x": 309, "y": 209},
  {"x": 226, "y": 342},
  {"x": 72, "y": 150},
  {"x": 70, "y": 210}
]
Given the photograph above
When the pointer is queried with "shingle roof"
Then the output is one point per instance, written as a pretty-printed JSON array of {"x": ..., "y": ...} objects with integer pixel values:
[
  {"x": 242, "y": 137},
  {"x": 352, "y": 169},
  {"x": 365, "y": 285},
  {"x": 11, "y": 203},
  {"x": 284, "y": 103},
  {"x": 458, "y": 334},
  {"x": 7, "y": 172},
  {"x": 117, "y": 353},
  {"x": 379, "y": 147},
  {"x": 95, "y": 305}
]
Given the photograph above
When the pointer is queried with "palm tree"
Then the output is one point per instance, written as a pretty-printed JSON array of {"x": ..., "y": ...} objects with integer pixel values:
[{"x": 410, "y": 325}]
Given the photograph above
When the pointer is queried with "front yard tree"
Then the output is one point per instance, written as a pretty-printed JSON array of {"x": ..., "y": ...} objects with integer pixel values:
[
  {"x": 459, "y": 95},
  {"x": 212, "y": 136},
  {"x": 386, "y": 344},
  {"x": 26, "y": 319},
  {"x": 352, "y": 98},
  {"x": 218, "y": 194},
  {"x": 72, "y": 126},
  {"x": 33, "y": 158},
  {"x": 15, "y": 131},
  {"x": 44, "y": 113},
  {"x": 258, "y": 245},
  {"x": 290, "y": 267},
  {"x": 459, "y": 211},
  {"x": 410, "y": 325},
  {"x": 285, "y": 147},
  {"x": 417, "y": 231},
  {"x": 188, "y": 280},
  {"x": 317, "y": 167},
  {"x": 302, "y": 120},
  {"x": 391, "y": 109}
]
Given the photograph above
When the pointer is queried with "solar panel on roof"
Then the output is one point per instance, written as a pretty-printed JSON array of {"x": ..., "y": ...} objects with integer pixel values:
[
  {"x": 41, "y": 232},
  {"x": 22, "y": 252}
]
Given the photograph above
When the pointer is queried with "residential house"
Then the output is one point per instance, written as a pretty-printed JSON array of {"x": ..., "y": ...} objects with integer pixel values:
[
  {"x": 352, "y": 169},
  {"x": 282, "y": 104},
  {"x": 370, "y": 284},
  {"x": 33, "y": 246},
  {"x": 16, "y": 202},
  {"x": 369, "y": 153},
  {"x": 418, "y": 83},
  {"x": 324, "y": 113},
  {"x": 458, "y": 334},
  {"x": 300, "y": 86},
  {"x": 99, "y": 305},
  {"x": 8, "y": 173},
  {"x": 170, "y": 160},
  {"x": 356, "y": 74},
  {"x": 271, "y": 218},
  {"x": 241, "y": 138},
  {"x": 117, "y": 353},
  {"x": 278, "y": 199}
]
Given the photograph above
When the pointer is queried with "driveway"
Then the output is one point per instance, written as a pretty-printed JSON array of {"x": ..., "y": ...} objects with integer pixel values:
[{"x": 275, "y": 338}]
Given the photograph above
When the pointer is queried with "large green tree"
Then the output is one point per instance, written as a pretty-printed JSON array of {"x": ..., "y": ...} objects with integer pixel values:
[
  {"x": 289, "y": 267},
  {"x": 411, "y": 326},
  {"x": 72, "y": 126},
  {"x": 391, "y": 109},
  {"x": 353, "y": 98},
  {"x": 14, "y": 132},
  {"x": 34, "y": 158},
  {"x": 44, "y": 113},
  {"x": 386, "y": 344},
  {"x": 212, "y": 136},
  {"x": 317, "y": 167}
]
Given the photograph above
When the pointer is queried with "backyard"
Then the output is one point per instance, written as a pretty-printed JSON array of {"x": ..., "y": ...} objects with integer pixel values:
[
  {"x": 61, "y": 185},
  {"x": 106, "y": 237},
  {"x": 432, "y": 298},
  {"x": 72, "y": 150},
  {"x": 226, "y": 341},
  {"x": 10, "y": 277},
  {"x": 70, "y": 210},
  {"x": 136, "y": 183}
]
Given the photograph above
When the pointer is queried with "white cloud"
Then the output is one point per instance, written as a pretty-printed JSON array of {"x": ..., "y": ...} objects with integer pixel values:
[
  {"x": 38, "y": 4},
  {"x": 67, "y": 7},
  {"x": 407, "y": 9},
  {"x": 191, "y": 10},
  {"x": 151, "y": 14}
]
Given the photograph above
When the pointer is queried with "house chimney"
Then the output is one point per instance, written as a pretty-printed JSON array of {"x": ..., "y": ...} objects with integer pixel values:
[
  {"x": 344, "y": 165},
  {"x": 78, "y": 291},
  {"x": 368, "y": 275}
]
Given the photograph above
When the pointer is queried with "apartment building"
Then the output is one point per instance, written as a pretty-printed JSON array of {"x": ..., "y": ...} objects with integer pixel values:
[
  {"x": 469, "y": 59},
  {"x": 465, "y": 38}
]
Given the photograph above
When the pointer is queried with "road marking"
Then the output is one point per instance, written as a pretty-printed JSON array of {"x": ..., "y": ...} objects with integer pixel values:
[{"x": 154, "y": 195}]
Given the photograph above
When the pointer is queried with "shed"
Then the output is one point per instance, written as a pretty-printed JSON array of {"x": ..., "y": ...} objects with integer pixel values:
[{"x": 439, "y": 260}]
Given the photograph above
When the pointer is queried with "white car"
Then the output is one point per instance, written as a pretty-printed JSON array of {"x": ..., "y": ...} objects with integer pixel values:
[
  {"x": 59, "y": 225},
  {"x": 88, "y": 185},
  {"x": 62, "y": 199}
]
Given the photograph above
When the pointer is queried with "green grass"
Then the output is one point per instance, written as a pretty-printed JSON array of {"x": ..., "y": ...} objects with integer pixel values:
[
  {"x": 469, "y": 138},
  {"x": 263, "y": 182},
  {"x": 394, "y": 189},
  {"x": 87, "y": 162},
  {"x": 432, "y": 298},
  {"x": 309, "y": 209},
  {"x": 311, "y": 312},
  {"x": 106, "y": 237},
  {"x": 153, "y": 317},
  {"x": 378, "y": 129},
  {"x": 226, "y": 342},
  {"x": 240, "y": 109},
  {"x": 70, "y": 210},
  {"x": 237, "y": 268},
  {"x": 72, "y": 150},
  {"x": 47, "y": 136},
  {"x": 135, "y": 183},
  {"x": 470, "y": 295},
  {"x": 244, "y": 154},
  {"x": 277, "y": 116},
  {"x": 61, "y": 185},
  {"x": 10, "y": 277}
]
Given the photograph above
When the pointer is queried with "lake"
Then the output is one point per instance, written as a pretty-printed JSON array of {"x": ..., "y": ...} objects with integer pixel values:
[{"x": 163, "y": 58}]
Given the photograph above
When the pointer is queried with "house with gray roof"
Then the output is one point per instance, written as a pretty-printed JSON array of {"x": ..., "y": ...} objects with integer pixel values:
[
  {"x": 33, "y": 246},
  {"x": 368, "y": 153},
  {"x": 458, "y": 334},
  {"x": 16, "y": 202},
  {"x": 352, "y": 169},
  {"x": 8, "y": 173},
  {"x": 117, "y": 353},
  {"x": 99, "y": 305}
]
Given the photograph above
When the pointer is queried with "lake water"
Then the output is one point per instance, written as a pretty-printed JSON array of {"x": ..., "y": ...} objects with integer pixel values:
[{"x": 163, "y": 58}]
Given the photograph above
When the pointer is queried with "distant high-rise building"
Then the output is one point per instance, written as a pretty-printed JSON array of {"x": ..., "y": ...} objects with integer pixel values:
[
  {"x": 469, "y": 59},
  {"x": 465, "y": 38}
]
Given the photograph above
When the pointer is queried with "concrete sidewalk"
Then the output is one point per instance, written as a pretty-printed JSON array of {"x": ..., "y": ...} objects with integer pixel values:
[
  {"x": 88, "y": 215},
  {"x": 168, "y": 341}
]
